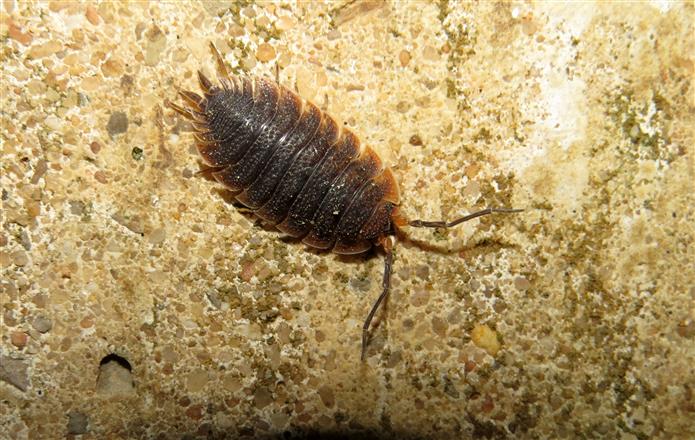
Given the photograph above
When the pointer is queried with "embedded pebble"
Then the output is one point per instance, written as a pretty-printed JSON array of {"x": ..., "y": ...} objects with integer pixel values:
[
  {"x": 54, "y": 123},
  {"x": 19, "y": 339},
  {"x": 15, "y": 372},
  {"x": 522, "y": 283},
  {"x": 77, "y": 423},
  {"x": 45, "y": 49},
  {"x": 265, "y": 53},
  {"x": 16, "y": 33},
  {"x": 457, "y": 98},
  {"x": 92, "y": 15},
  {"x": 327, "y": 396},
  {"x": 196, "y": 381},
  {"x": 333, "y": 35},
  {"x": 112, "y": 67},
  {"x": 472, "y": 190},
  {"x": 402, "y": 107},
  {"x": 305, "y": 83},
  {"x": 419, "y": 298},
  {"x": 430, "y": 53},
  {"x": 118, "y": 123},
  {"x": 485, "y": 338},
  {"x": 20, "y": 258},
  {"x": 262, "y": 397},
  {"x": 439, "y": 326},
  {"x": 404, "y": 57},
  {"x": 42, "y": 324},
  {"x": 156, "y": 43},
  {"x": 157, "y": 236},
  {"x": 284, "y": 23}
]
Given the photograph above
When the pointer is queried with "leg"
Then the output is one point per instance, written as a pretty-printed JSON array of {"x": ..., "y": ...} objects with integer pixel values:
[
  {"x": 386, "y": 284},
  {"x": 222, "y": 72},
  {"x": 445, "y": 224}
]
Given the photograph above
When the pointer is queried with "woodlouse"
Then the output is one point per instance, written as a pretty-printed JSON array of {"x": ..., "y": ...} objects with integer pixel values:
[{"x": 295, "y": 168}]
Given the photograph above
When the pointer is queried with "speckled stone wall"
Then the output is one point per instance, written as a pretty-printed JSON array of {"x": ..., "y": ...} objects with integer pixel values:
[{"x": 137, "y": 302}]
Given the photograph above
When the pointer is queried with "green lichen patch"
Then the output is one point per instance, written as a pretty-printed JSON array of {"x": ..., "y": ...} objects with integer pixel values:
[{"x": 641, "y": 125}]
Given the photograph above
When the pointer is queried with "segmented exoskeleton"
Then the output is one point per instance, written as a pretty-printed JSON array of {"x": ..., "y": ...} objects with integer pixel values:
[{"x": 295, "y": 168}]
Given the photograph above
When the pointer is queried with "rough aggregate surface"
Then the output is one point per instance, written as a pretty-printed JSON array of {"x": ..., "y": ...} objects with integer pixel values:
[{"x": 137, "y": 302}]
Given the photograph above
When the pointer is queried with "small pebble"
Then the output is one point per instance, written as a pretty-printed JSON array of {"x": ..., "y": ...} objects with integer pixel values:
[
  {"x": 157, "y": 236},
  {"x": 77, "y": 207},
  {"x": 15, "y": 372},
  {"x": 265, "y": 53},
  {"x": 521, "y": 283},
  {"x": 327, "y": 397},
  {"x": 430, "y": 53},
  {"x": 485, "y": 338},
  {"x": 231, "y": 384},
  {"x": 42, "y": 324},
  {"x": 112, "y": 67},
  {"x": 472, "y": 190},
  {"x": 19, "y": 339},
  {"x": 195, "y": 412},
  {"x": 236, "y": 31},
  {"x": 54, "y": 123},
  {"x": 45, "y": 49},
  {"x": 39, "y": 171},
  {"x": 415, "y": 140},
  {"x": 439, "y": 326},
  {"x": 404, "y": 57},
  {"x": 284, "y": 23},
  {"x": 92, "y": 15},
  {"x": 15, "y": 32},
  {"x": 77, "y": 423},
  {"x": 419, "y": 298},
  {"x": 20, "y": 258},
  {"x": 262, "y": 397},
  {"x": 196, "y": 381},
  {"x": 118, "y": 123},
  {"x": 305, "y": 83},
  {"x": 101, "y": 177}
]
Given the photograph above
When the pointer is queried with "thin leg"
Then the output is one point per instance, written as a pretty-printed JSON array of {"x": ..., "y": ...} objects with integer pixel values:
[
  {"x": 222, "y": 71},
  {"x": 386, "y": 284},
  {"x": 445, "y": 224},
  {"x": 205, "y": 84}
]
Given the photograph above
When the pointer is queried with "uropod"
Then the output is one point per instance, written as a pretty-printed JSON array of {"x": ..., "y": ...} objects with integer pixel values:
[{"x": 294, "y": 167}]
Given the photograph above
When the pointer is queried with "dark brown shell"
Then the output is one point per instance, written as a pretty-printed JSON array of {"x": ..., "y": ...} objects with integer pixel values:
[{"x": 292, "y": 164}]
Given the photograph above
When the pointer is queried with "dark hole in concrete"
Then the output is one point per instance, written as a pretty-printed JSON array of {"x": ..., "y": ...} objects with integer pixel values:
[
  {"x": 115, "y": 376},
  {"x": 123, "y": 362}
]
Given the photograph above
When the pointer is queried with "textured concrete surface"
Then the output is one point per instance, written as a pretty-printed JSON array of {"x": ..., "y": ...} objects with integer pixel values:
[{"x": 138, "y": 303}]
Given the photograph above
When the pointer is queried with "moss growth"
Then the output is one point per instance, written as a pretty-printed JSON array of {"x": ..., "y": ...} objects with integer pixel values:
[
  {"x": 462, "y": 40},
  {"x": 640, "y": 128},
  {"x": 483, "y": 135},
  {"x": 137, "y": 153},
  {"x": 267, "y": 33}
]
